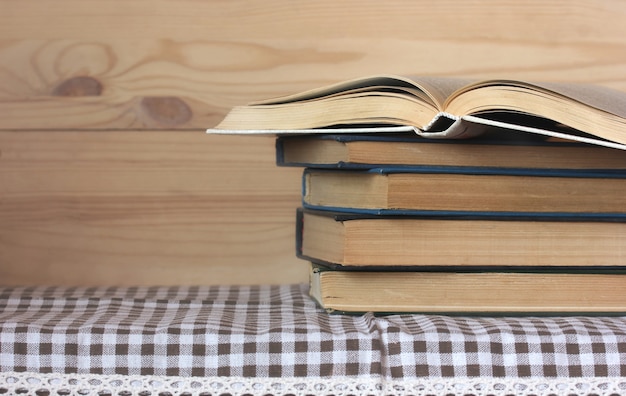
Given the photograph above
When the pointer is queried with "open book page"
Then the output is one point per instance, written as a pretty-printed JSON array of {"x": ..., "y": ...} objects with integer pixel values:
[
  {"x": 366, "y": 84},
  {"x": 434, "y": 90},
  {"x": 440, "y": 88},
  {"x": 319, "y": 92},
  {"x": 599, "y": 97}
]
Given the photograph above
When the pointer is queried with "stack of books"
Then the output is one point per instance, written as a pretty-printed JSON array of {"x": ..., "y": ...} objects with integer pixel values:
[{"x": 527, "y": 216}]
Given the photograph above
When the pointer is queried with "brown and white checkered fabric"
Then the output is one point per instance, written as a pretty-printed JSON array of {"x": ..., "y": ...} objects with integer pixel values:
[{"x": 277, "y": 331}]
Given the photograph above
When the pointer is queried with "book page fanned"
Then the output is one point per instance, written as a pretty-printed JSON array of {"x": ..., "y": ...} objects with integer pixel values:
[{"x": 443, "y": 126}]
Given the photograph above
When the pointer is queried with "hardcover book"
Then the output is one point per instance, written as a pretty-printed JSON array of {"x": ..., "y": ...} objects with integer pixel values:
[
  {"x": 464, "y": 190},
  {"x": 441, "y": 108},
  {"x": 369, "y": 241},
  {"x": 500, "y": 293},
  {"x": 494, "y": 149}
]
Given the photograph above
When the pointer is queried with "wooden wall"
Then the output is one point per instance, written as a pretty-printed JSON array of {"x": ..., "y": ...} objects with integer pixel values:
[{"x": 106, "y": 176}]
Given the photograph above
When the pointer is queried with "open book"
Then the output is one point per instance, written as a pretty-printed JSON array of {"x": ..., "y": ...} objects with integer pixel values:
[{"x": 441, "y": 108}]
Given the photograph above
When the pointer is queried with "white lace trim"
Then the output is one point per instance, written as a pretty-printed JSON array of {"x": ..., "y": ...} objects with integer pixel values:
[{"x": 92, "y": 384}]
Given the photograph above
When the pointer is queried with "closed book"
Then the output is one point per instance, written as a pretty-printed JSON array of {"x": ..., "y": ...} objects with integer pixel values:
[
  {"x": 369, "y": 241},
  {"x": 496, "y": 149},
  {"x": 465, "y": 190},
  {"x": 499, "y": 293}
]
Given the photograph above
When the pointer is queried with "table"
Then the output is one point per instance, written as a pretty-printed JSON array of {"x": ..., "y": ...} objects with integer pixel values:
[{"x": 266, "y": 339}]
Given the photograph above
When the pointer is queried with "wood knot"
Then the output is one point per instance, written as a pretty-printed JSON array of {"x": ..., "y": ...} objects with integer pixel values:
[
  {"x": 167, "y": 111},
  {"x": 78, "y": 86}
]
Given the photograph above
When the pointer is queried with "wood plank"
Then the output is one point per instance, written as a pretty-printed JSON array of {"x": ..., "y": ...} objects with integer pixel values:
[
  {"x": 165, "y": 207},
  {"x": 145, "y": 208},
  {"x": 180, "y": 65}
]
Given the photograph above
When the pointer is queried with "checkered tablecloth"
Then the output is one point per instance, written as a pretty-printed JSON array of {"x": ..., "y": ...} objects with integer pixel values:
[{"x": 277, "y": 331}]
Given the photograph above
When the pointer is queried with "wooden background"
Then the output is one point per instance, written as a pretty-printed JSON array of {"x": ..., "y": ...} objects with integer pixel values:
[{"x": 106, "y": 176}]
